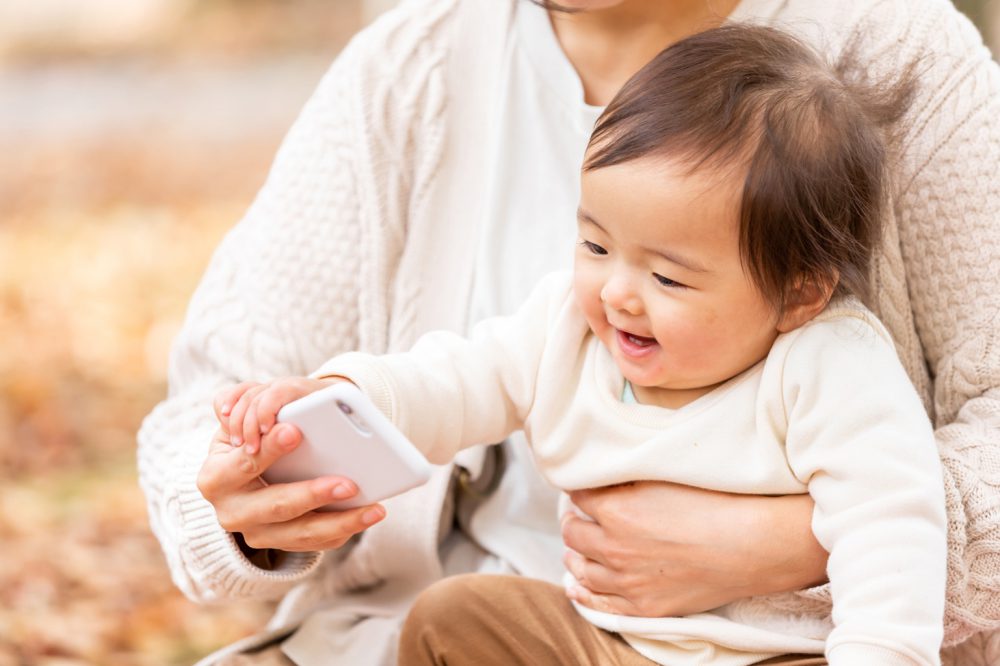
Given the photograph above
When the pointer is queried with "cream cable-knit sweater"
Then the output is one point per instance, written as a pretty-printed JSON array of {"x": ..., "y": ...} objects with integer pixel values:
[{"x": 354, "y": 242}]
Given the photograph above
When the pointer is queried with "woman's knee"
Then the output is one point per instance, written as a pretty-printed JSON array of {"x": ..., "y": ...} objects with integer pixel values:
[
  {"x": 454, "y": 599},
  {"x": 444, "y": 619}
]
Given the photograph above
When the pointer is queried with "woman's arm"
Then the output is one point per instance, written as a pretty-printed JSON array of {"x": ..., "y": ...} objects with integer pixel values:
[
  {"x": 949, "y": 222},
  {"x": 281, "y": 295},
  {"x": 278, "y": 297}
]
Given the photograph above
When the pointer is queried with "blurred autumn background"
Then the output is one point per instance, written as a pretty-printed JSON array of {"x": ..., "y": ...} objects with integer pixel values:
[{"x": 133, "y": 133}]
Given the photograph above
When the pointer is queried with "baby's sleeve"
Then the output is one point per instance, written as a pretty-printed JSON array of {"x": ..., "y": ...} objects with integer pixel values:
[
  {"x": 859, "y": 437},
  {"x": 449, "y": 391}
]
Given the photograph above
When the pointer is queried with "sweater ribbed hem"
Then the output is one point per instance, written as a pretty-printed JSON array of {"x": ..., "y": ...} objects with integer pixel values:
[{"x": 218, "y": 558}]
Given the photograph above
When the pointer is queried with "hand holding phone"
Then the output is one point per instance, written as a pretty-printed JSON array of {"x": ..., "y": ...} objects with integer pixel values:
[{"x": 345, "y": 434}]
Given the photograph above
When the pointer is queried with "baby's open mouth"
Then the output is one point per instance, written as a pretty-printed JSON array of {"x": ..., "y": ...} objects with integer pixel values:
[
  {"x": 635, "y": 345},
  {"x": 639, "y": 340}
]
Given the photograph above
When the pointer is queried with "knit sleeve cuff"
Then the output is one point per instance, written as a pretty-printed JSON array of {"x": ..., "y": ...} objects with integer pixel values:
[
  {"x": 223, "y": 570},
  {"x": 853, "y": 654},
  {"x": 364, "y": 371}
]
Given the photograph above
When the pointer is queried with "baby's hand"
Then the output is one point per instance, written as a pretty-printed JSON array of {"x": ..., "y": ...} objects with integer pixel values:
[{"x": 248, "y": 410}]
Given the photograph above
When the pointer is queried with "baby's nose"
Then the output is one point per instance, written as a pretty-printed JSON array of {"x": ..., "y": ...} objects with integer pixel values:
[{"x": 619, "y": 293}]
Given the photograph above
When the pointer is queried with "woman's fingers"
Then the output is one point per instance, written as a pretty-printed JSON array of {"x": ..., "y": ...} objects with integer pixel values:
[
  {"x": 281, "y": 502},
  {"x": 281, "y": 516},
  {"x": 228, "y": 469},
  {"x": 280, "y": 441},
  {"x": 607, "y": 603},
  {"x": 315, "y": 530},
  {"x": 614, "y": 578},
  {"x": 586, "y": 538},
  {"x": 660, "y": 549},
  {"x": 592, "y": 575}
]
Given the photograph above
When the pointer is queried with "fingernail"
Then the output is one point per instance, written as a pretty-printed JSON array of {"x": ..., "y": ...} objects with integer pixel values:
[
  {"x": 264, "y": 429},
  {"x": 343, "y": 491},
  {"x": 285, "y": 437},
  {"x": 236, "y": 441},
  {"x": 372, "y": 516},
  {"x": 226, "y": 409}
]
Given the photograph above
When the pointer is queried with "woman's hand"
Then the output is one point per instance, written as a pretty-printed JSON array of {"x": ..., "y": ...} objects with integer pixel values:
[
  {"x": 280, "y": 516},
  {"x": 658, "y": 549}
]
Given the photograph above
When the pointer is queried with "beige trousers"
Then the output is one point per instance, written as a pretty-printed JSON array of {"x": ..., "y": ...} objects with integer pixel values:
[{"x": 480, "y": 620}]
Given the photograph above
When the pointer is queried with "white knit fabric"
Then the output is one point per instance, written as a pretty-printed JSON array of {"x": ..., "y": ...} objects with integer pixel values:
[{"x": 339, "y": 247}]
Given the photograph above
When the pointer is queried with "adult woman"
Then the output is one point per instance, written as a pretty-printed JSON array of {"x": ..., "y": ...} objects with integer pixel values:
[{"x": 421, "y": 188}]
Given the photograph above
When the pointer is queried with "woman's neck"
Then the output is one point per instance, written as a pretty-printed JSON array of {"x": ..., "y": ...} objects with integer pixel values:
[{"x": 608, "y": 46}]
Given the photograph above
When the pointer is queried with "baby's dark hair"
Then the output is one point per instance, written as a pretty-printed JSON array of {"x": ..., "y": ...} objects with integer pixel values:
[{"x": 814, "y": 144}]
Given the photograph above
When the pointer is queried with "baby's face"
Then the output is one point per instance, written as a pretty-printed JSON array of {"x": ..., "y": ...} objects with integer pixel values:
[{"x": 659, "y": 278}]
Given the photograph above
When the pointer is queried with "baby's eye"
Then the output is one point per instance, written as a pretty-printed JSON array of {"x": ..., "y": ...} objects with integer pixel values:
[
  {"x": 594, "y": 248},
  {"x": 666, "y": 282}
]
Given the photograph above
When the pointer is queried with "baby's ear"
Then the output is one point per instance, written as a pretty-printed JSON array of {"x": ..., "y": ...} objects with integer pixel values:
[{"x": 805, "y": 300}]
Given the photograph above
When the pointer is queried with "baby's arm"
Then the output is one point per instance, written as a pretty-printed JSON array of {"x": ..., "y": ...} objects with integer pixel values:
[
  {"x": 450, "y": 392},
  {"x": 859, "y": 436}
]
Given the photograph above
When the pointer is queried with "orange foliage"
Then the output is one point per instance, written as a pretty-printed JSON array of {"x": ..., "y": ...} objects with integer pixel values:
[{"x": 110, "y": 205}]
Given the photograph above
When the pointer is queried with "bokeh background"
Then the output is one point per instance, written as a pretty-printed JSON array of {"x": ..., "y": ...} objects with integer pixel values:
[{"x": 133, "y": 133}]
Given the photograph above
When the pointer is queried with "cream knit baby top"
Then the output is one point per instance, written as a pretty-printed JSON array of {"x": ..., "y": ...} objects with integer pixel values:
[{"x": 829, "y": 411}]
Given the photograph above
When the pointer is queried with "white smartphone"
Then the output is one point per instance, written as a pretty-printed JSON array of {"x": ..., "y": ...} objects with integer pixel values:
[{"x": 345, "y": 434}]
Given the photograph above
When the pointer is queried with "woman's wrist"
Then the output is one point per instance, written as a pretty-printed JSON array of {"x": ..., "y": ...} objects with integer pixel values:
[
  {"x": 788, "y": 556},
  {"x": 268, "y": 559}
]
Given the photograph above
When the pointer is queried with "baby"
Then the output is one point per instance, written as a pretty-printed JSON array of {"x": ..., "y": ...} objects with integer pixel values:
[{"x": 712, "y": 334}]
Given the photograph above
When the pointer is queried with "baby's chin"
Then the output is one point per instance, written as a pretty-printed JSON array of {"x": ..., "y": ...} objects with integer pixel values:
[
  {"x": 585, "y": 5},
  {"x": 660, "y": 388}
]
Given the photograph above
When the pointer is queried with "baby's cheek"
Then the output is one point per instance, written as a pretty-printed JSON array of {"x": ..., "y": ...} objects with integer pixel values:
[
  {"x": 689, "y": 343},
  {"x": 594, "y": 314}
]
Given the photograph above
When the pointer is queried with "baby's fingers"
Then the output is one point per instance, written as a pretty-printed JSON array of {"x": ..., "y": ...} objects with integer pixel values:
[
  {"x": 225, "y": 398},
  {"x": 251, "y": 426},
  {"x": 268, "y": 404},
  {"x": 262, "y": 413},
  {"x": 239, "y": 412},
  {"x": 282, "y": 392}
]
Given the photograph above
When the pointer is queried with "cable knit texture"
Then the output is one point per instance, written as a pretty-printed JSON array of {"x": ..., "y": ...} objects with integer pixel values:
[
  {"x": 281, "y": 294},
  {"x": 319, "y": 266}
]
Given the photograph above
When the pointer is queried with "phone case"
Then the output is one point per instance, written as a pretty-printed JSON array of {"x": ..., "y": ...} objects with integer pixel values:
[{"x": 344, "y": 434}]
